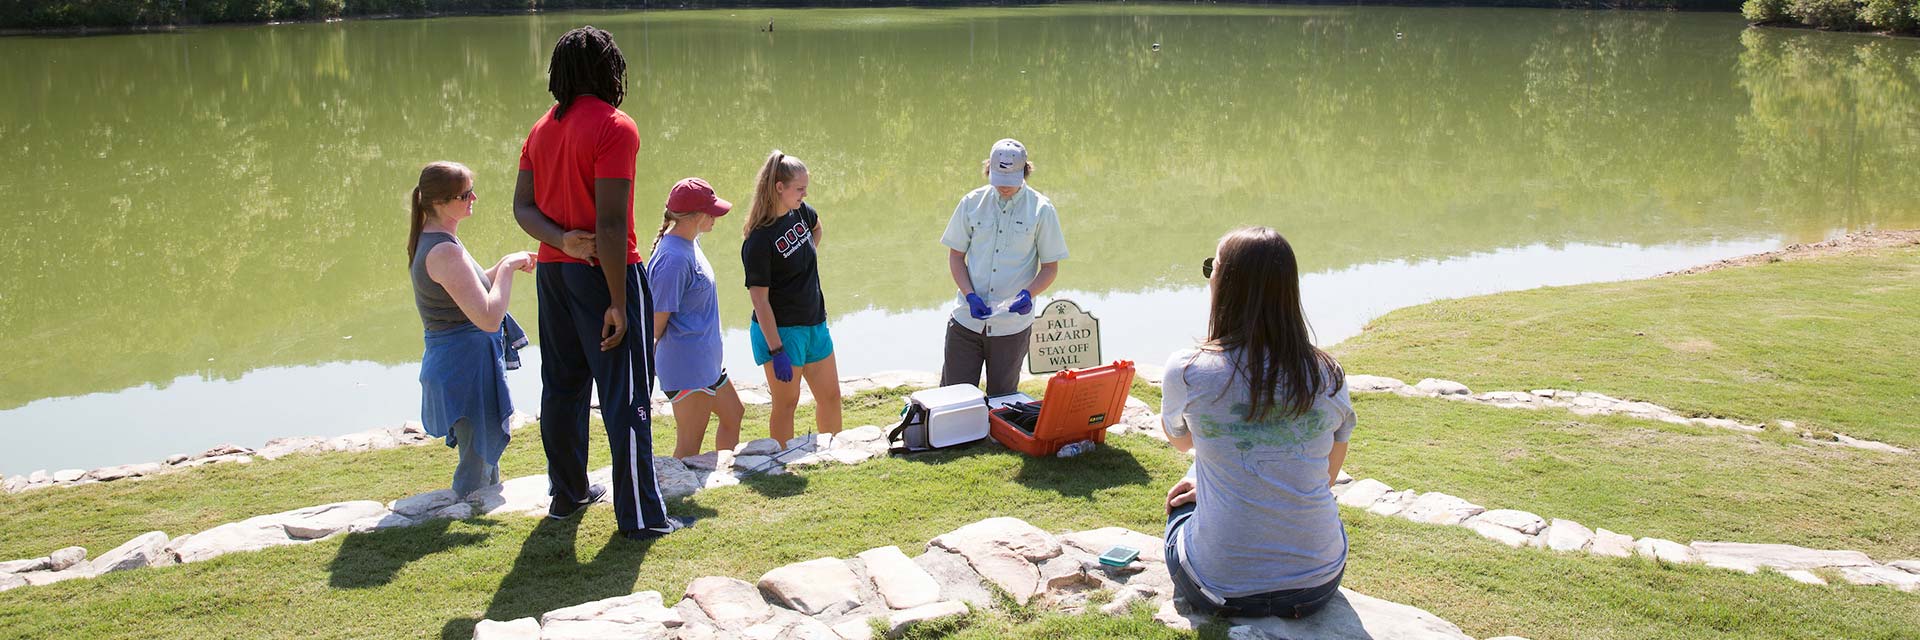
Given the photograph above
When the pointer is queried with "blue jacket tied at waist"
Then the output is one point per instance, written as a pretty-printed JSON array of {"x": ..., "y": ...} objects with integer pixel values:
[{"x": 463, "y": 375}]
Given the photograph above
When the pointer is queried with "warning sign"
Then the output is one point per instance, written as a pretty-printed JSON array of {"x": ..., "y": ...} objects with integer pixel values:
[{"x": 1064, "y": 337}]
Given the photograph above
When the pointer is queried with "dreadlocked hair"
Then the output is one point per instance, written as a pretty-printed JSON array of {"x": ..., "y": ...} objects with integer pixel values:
[{"x": 586, "y": 62}]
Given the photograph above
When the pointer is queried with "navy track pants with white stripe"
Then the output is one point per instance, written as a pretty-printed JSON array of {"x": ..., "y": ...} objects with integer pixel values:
[{"x": 573, "y": 299}]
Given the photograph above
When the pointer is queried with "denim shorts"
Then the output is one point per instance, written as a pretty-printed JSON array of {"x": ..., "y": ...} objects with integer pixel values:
[
  {"x": 804, "y": 345},
  {"x": 1285, "y": 603}
]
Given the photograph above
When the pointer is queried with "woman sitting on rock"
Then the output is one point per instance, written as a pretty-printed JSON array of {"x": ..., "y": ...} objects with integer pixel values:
[
  {"x": 1253, "y": 530},
  {"x": 470, "y": 338}
]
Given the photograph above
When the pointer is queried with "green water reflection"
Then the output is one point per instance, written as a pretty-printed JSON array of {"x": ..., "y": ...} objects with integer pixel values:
[{"x": 216, "y": 201}]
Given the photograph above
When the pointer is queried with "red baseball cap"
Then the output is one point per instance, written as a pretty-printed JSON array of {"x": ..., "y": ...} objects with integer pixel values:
[{"x": 694, "y": 195}]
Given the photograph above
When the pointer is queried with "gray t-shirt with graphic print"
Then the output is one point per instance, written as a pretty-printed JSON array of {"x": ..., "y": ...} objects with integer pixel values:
[{"x": 1265, "y": 520}]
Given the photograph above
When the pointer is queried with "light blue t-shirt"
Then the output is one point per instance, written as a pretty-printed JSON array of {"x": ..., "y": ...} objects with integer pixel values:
[
  {"x": 689, "y": 353},
  {"x": 1266, "y": 520}
]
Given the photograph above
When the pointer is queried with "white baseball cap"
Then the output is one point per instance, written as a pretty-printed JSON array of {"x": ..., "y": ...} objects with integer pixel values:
[{"x": 1007, "y": 164}]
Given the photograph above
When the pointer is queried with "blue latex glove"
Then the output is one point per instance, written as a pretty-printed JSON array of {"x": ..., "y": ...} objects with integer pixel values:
[
  {"x": 1022, "y": 304},
  {"x": 782, "y": 366},
  {"x": 977, "y": 307}
]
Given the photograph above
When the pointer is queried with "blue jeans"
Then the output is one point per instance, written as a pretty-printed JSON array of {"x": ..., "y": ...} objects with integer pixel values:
[{"x": 1285, "y": 603}]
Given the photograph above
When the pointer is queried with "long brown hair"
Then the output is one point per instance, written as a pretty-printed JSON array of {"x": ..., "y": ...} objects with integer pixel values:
[
  {"x": 439, "y": 182},
  {"x": 779, "y": 169},
  {"x": 1257, "y": 313}
]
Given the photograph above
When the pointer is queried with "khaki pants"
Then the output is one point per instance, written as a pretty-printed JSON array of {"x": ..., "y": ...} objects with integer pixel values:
[{"x": 966, "y": 351}]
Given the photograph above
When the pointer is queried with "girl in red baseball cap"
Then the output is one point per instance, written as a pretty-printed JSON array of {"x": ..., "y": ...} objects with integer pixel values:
[{"x": 686, "y": 321}]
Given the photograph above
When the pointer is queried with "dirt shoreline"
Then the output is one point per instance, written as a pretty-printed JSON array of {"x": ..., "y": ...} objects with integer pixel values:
[{"x": 1859, "y": 241}]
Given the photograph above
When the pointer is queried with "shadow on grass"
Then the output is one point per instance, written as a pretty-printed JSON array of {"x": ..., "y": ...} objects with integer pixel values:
[
  {"x": 372, "y": 559},
  {"x": 549, "y": 574},
  {"x": 1082, "y": 475},
  {"x": 781, "y": 486}
]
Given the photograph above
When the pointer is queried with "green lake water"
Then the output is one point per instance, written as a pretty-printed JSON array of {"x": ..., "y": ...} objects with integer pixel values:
[{"x": 205, "y": 229}]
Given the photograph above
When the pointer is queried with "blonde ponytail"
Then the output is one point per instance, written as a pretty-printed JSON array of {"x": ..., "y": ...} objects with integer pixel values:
[{"x": 779, "y": 169}]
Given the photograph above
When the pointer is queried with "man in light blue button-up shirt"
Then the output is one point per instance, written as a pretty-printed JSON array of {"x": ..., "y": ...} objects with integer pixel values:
[{"x": 1005, "y": 245}]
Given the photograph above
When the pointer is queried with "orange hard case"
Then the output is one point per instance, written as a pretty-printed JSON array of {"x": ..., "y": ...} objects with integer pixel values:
[{"x": 1079, "y": 405}]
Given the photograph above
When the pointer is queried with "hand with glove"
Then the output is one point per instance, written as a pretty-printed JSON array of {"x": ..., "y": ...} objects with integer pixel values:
[
  {"x": 782, "y": 365},
  {"x": 977, "y": 307},
  {"x": 1023, "y": 303}
]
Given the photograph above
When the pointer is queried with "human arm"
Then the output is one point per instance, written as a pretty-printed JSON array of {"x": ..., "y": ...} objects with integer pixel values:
[
  {"x": 763, "y": 314},
  {"x": 1173, "y": 403},
  {"x": 814, "y": 227},
  {"x": 1336, "y": 458},
  {"x": 610, "y": 198},
  {"x": 535, "y": 222},
  {"x": 660, "y": 324},
  {"x": 1182, "y": 492},
  {"x": 1048, "y": 272},
  {"x": 449, "y": 265},
  {"x": 957, "y": 266}
]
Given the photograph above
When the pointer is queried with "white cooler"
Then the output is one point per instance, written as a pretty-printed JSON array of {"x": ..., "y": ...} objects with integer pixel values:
[{"x": 956, "y": 414}]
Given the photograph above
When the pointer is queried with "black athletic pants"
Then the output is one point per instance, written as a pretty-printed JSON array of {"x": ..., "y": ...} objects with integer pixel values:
[{"x": 573, "y": 300}]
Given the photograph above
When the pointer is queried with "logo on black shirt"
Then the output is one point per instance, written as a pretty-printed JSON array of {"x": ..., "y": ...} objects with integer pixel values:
[{"x": 791, "y": 241}]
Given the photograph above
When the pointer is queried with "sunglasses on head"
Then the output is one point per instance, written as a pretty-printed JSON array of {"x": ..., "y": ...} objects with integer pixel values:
[{"x": 1206, "y": 268}]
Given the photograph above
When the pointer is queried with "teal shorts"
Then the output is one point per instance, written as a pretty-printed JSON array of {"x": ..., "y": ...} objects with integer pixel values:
[{"x": 804, "y": 345}]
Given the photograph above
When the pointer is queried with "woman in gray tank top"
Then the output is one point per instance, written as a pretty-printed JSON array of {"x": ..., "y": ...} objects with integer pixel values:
[
  {"x": 1253, "y": 530},
  {"x": 464, "y": 311}
]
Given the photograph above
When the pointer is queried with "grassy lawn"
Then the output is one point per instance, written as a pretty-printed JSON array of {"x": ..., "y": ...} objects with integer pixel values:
[
  {"x": 1643, "y": 477},
  {"x": 1828, "y": 343},
  {"x": 438, "y": 580}
]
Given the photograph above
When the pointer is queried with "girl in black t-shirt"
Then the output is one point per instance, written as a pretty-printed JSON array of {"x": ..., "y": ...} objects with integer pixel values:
[{"x": 789, "y": 325}]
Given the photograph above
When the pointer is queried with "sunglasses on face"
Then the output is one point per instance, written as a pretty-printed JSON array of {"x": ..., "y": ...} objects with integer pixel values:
[
  {"x": 464, "y": 196},
  {"x": 1206, "y": 268}
]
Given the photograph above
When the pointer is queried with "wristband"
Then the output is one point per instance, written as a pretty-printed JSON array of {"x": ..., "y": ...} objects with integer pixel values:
[{"x": 777, "y": 351}]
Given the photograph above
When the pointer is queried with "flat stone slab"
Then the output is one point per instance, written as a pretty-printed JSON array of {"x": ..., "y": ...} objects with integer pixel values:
[
  {"x": 1440, "y": 508},
  {"x": 145, "y": 550},
  {"x": 728, "y": 601},
  {"x": 1610, "y": 544},
  {"x": 251, "y": 534},
  {"x": 1503, "y": 535},
  {"x": 1778, "y": 556},
  {"x": 324, "y": 520},
  {"x": 821, "y": 585},
  {"x": 1521, "y": 521},
  {"x": 1565, "y": 536},
  {"x": 639, "y": 615},
  {"x": 1437, "y": 386},
  {"x": 419, "y": 505},
  {"x": 1664, "y": 550},
  {"x": 23, "y": 566},
  {"x": 1878, "y": 575},
  {"x": 1363, "y": 493},
  {"x": 1349, "y": 616},
  {"x": 958, "y": 580},
  {"x": 522, "y": 629},
  {"x": 525, "y": 494},
  {"x": 1004, "y": 551},
  {"x": 903, "y": 584},
  {"x": 900, "y": 621},
  {"x": 1365, "y": 383},
  {"x": 66, "y": 558}
]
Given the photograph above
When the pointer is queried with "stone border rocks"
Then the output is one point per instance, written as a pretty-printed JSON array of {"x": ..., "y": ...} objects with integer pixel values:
[
  {"x": 408, "y": 434},
  {"x": 883, "y": 593},
  {"x": 1519, "y": 529},
  {"x": 1587, "y": 403}
]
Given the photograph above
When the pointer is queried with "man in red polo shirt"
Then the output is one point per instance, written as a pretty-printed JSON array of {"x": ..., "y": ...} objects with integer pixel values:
[{"x": 575, "y": 195}]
